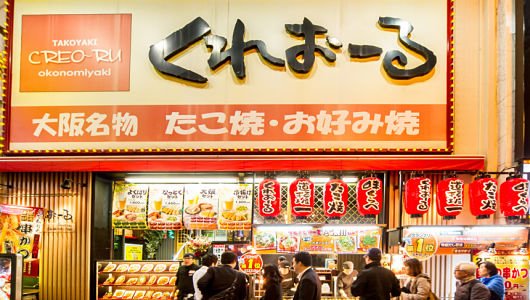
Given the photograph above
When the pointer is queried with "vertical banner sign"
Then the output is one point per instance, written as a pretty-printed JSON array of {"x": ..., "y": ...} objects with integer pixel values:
[
  {"x": 483, "y": 197},
  {"x": 369, "y": 196},
  {"x": 59, "y": 54},
  {"x": 200, "y": 206},
  {"x": 235, "y": 206},
  {"x": 335, "y": 198},
  {"x": 302, "y": 196},
  {"x": 514, "y": 270},
  {"x": 269, "y": 198},
  {"x": 129, "y": 206},
  {"x": 165, "y": 206},
  {"x": 514, "y": 197},
  {"x": 449, "y": 197},
  {"x": 417, "y": 196}
]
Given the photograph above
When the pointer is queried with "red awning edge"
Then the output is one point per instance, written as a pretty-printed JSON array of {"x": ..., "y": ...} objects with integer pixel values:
[{"x": 218, "y": 163}]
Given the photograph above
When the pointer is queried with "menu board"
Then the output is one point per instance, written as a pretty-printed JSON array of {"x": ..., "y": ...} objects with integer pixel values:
[
  {"x": 288, "y": 242},
  {"x": 200, "y": 206},
  {"x": 264, "y": 240},
  {"x": 21, "y": 229},
  {"x": 129, "y": 206},
  {"x": 368, "y": 239},
  {"x": 316, "y": 243},
  {"x": 165, "y": 206},
  {"x": 235, "y": 203}
]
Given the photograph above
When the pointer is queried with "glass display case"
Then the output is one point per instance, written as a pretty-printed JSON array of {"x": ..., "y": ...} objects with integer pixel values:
[
  {"x": 136, "y": 279},
  {"x": 10, "y": 276}
]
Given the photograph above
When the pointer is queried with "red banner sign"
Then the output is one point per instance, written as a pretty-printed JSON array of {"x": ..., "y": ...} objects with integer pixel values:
[
  {"x": 302, "y": 196},
  {"x": 417, "y": 196},
  {"x": 449, "y": 197},
  {"x": 269, "y": 198},
  {"x": 370, "y": 196},
  {"x": 335, "y": 198},
  {"x": 483, "y": 197},
  {"x": 514, "y": 197}
]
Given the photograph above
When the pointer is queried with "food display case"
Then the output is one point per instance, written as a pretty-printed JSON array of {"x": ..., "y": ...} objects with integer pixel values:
[
  {"x": 136, "y": 279},
  {"x": 10, "y": 276}
]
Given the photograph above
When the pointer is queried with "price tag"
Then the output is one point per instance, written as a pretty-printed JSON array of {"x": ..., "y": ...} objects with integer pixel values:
[
  {"x": 251, "y": 263},
  {"x": 420, "y": 245}
]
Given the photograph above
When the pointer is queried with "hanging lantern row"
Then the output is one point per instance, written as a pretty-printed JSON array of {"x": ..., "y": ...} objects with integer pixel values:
[
  {"x": 302, "y": 197},
  {"x": 482, "y": 197}
]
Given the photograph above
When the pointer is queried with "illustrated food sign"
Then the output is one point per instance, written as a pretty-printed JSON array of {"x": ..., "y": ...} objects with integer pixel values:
[
  {"x": 216, "y": 83},
  {"x": 129, "y": 206},
  {"x": 235, "y": 205},
  {"x": 200, "y": 206},
  {"x": 20, "y": 229},
  {"x": 165, "y": 206}
]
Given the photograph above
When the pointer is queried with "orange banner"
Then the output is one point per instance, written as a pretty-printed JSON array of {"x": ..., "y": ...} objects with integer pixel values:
[
  {"x": 341, "y": 123},
  {"x": 75, "y": 53}
]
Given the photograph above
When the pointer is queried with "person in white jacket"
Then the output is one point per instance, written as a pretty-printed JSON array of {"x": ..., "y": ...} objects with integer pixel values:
[{"x": 209, "y": 260}]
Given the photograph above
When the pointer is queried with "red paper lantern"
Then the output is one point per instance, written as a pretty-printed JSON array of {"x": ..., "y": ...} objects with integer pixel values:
[
  {"x": 514, "y": 197},
  {"x": 269, "y": 198},
  {"x": 369, "y": 196},
  {"x": 335, "y": 198},
  {"x": 417, "y": 196},
  {"x": 483, "y": 197},
  {"x": 302, "y": 196},
  {"x": 449, "y": 197}
]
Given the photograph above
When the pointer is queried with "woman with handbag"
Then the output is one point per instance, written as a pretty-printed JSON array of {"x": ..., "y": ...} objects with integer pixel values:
[
  {"x": 272, "y": 280},
  {"x": 418, "y": 285}
]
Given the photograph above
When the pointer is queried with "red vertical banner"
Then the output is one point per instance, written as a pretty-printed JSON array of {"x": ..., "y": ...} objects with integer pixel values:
[
  {"x": 335, "y": 198},
  {"x": 483, "y": 197},
  {"x": 269, "y": 198},
  {"x": 417, "y": 196},
  {"x": 302, "y": 197},
  {"x": 370, "y": 196},
  {"x": 449, "y": 197},
  {"x": 514, "y": 197}
]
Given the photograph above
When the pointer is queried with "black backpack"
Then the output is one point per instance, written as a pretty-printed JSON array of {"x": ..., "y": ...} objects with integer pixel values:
[{"x": 228, "y": 293}]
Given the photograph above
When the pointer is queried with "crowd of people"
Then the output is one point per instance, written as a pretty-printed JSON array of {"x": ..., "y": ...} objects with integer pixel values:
[{"x": 299, "y": 280}]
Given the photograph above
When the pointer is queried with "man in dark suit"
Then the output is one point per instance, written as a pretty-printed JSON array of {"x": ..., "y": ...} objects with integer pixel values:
[
  {"x": 308, "y": 283},
  {"x": 217, "y": 279}
]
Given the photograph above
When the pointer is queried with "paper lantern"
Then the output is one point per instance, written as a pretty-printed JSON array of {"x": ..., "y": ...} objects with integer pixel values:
[
  {"x": 369, "y": 196},
  {"x": 335, "y": 198},
  {"x": 269, "y": 198},
  {"x": 449, "y": 197},
  {"x": 483, "y": 197},
  {"x": 514, "y": 197},
  {"x": 302, "y": 196},
  {"x": 417, "y": 196}
]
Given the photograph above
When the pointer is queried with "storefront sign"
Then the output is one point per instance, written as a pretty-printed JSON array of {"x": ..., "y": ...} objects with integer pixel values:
[
  {"x": 449, "y": 197},
  {"x": 483, "y": 197},
  {"x": 421, "y": 246},
  {"x": 251, "y": 263},
  {"x": 302, "y": 197},
  {"x": 165, "y": 206},
  {"x": 266, "y": 99},
  {"x": 21, "y": 230},
  {"x": 514, "y": 270},
  {"x": 269, "y": 198},
  {"x": 59, "y": 222},
  {"x": 235, "y": 202},
  {"x": 335, "y": 198},
  {"x": 129, "y": 206},
  {"x": 201, "y": 206},
  {"x": 514, "y": 197},
  {"x": 370, "y": 196},
  {"x": 133, "y": 251},
  {"x": 417, "y": 196}
]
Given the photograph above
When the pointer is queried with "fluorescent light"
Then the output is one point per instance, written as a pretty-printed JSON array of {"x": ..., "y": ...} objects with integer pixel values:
[
  {"x": 319, "y": 179},
  {"x": 173, "y": 179},
  {"x": 286, "y": 179},
  {"x": 350, "y": 179},
  {"x": 280, "y": 228},
  {"x": 350, "y": 227},
  {"x": 495, "y": 229},
  {"x": 253, "y": 180},
  {"x": 436, "y": 229}
]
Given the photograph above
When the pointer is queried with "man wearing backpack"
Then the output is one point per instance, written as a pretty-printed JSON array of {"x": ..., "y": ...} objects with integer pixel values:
[
  {"x": 468, "y": 287},
  {"x": 223, "y": 282}
]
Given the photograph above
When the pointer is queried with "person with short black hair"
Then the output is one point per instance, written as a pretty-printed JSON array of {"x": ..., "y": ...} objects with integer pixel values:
[
  {"x": 375, "y": 281},
  {"x": 489, "y": 276},
  {"x": 209, "y": 260},
  {"x": 418, "y": 285},
  {"x": 309, "y": 286},
  {"x": 219, "y": 279},
  {"x": 272, "y": 283},
  {"x": 185, "y": 277},
  {"x": 281, "y": 259}
]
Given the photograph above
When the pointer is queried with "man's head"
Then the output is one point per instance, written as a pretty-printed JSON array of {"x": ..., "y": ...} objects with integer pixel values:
[
  {"x": 284, "y": 267},
  {"x": 301, "y": 261},
  {"x": 229, "y": 258},
  {"x": 347, "y": 267},
  {"x": 188, "y": 259},
  {"x": 281, "y": 259},
  {"x": 209, "y": 260},
  {"x": 465, "y": 270},
  {"x": 372, "y": 255}
]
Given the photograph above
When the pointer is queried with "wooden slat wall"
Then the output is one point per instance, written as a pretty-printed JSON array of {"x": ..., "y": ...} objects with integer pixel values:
[
  {"x": 64, "y": 257},
  {"x": 440, "y": 269}
]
